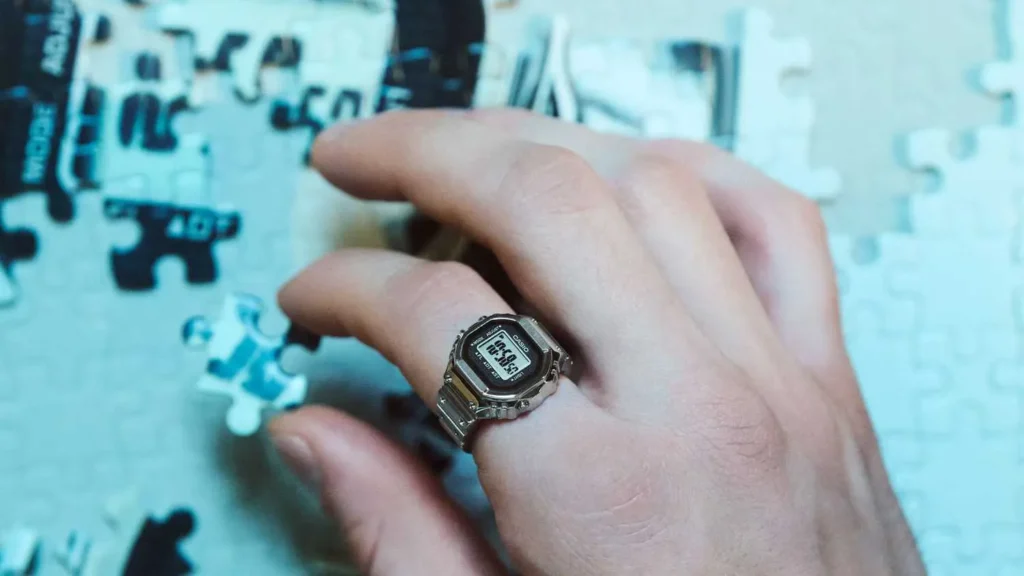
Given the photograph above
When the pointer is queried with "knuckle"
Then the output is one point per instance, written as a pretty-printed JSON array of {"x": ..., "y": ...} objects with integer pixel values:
[
  {"x": 550, "y": 179},
  {"x": 661, "y": 169},
  {"x": 741, "y": 437},
  {"x": 685, "y": 152}
]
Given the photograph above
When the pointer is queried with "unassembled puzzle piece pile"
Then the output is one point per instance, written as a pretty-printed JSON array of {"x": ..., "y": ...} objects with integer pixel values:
[{"x": 933, "y": 319}]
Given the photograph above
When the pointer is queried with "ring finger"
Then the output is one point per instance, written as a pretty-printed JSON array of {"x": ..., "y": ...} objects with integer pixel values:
[{"x": 411, "y": 311}]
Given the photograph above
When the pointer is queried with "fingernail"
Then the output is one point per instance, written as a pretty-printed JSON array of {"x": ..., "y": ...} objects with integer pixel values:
[{"x": 297, "y": 454}]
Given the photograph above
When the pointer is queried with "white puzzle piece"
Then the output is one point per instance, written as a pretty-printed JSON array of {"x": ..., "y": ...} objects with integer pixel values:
[{"x": 244, "y": 364}]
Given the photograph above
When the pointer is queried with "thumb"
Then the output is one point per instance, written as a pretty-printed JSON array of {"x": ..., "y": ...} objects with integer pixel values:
[{"x": 392, "y": 511}]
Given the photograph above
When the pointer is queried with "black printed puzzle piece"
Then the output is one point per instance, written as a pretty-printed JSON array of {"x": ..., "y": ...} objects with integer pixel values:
[
  {"x": 155, "y": 552},
  {"x": 15, "y": 245},
  {"x": 187, "y": 232},
  {"x": 37, "y": 70},
  {"x": 437, "y": 57}
]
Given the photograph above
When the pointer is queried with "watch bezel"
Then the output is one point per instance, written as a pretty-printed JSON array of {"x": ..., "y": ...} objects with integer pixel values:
[{"x": 525, "y": 390}]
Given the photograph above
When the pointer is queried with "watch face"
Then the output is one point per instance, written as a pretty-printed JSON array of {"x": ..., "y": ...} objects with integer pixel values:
[{"x": 502, "y": 355}]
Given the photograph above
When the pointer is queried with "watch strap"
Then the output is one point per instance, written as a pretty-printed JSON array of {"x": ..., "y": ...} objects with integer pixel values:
[{"x": 457, "y": 414}]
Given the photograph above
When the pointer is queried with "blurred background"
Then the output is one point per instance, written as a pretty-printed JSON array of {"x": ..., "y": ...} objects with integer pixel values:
[{"x": 153, "y": 168}]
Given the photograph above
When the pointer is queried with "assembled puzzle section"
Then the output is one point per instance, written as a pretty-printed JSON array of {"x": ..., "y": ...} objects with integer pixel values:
[
  {"x": 770, "y": 128},
  {"x": 245, "y": 363},
  {"x": 933, "y": 325}
]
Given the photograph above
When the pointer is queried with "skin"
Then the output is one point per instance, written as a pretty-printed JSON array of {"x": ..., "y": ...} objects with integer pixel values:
[{"x": 717, "y": 427}]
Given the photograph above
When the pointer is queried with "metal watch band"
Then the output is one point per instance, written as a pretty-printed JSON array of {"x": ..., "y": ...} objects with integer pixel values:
[{"x": 458, "y": 417}]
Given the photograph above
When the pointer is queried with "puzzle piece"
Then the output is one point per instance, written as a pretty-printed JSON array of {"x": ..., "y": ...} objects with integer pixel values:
[
  {"x": 143, "y": 157},
  {"x": 15, "y": 245},
  {"x": 435, "y": 59},
  {"x": 762, "y": 108},
  {"x": 339, "y": 69},
  {"x": 140, "y": 545},
  {"x": 241, "y": 36},
  {"x": 769, "y": 128},
  {"x": 19, "y": 552},
  {"x": 541, "y": 82},
  {"x": 668, "y": 89},
  {"x": 187, "y": 232},
  {"x": 1006, "y": 78},
  {"x": 977, "y": 194},
  {"x": 40, "y": 94},
  {"x": 245, "y": 363}
]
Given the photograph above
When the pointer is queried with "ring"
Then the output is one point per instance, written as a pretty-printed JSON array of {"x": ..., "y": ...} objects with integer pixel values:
[{"x": 500, "y": 368}]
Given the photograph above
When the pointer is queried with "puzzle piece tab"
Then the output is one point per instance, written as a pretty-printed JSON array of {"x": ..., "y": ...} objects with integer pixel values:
[
  {"x": 245, "y": 363},
  {"x": 762, "y": 108},
  {"x": 1006, "y": 78},
  {"x": 187, "y": 232}
]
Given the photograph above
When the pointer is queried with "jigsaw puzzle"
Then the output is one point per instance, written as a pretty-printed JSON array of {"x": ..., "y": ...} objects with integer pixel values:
[
  {"x": 165, "y": 111},
  {"x": 245, "y": 363}
]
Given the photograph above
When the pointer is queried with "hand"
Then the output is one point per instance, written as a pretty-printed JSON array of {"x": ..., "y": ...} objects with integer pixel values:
[{"x": 717, "y": 427}]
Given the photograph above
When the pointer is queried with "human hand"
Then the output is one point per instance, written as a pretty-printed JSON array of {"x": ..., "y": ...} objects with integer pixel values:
[{"x": 717, "y": 427}]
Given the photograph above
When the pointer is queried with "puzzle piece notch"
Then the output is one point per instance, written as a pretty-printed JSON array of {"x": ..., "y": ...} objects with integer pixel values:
[
  {"x": 1006, "y": 78},
  {"x": 186, "y": 232},
  {"x": 244, "y": 363},
  {"x": 977, "y": 191},
  {"x": 19, "y": 552}
]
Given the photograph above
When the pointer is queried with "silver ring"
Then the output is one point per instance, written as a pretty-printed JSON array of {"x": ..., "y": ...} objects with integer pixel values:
[{"x": 501, "y": 367}]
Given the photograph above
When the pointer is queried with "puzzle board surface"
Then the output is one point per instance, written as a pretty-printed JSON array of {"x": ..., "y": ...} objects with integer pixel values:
[{"x": 97, "y": 391}]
